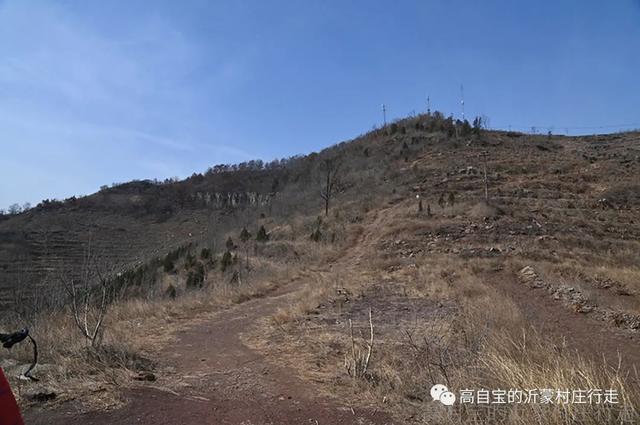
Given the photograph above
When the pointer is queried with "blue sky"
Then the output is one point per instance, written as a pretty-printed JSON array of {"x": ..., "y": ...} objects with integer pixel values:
[{"x": 98, "y": 92}]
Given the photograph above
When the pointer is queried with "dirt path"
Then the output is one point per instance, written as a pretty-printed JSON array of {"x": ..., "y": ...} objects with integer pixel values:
[
  {"x": 219, "y": 380},
  {"x": 592, "y": 338}
]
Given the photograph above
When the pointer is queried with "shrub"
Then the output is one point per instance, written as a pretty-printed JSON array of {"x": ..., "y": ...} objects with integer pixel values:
[
  {"x": 229, "y": 244},
  {"x": 465, "y": 128},
  {"x": 262, "y": 235},
  {"x": 171, "y": 292},
  {"x": 477, "y": 125},
  {"x": 189, "y": 261},
  {"x": 205, "y": 253},
  {"x": 245, "y": 235},
  {"x": 168, "y": 264},
  {"x": 195, "y": 278},
  {"x": 226, "y": 261},
  {"x": 316, "y": 235}
]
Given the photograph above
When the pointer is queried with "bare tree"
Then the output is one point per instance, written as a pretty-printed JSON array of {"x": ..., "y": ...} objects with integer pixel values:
[
  {"x": 358, "y": 365},
  {"x": 441, "y": 201},
  {"x": 483, "y": 155},
  {"x": 88, "y": 295},
  {"x": 14, "y": 209},
  {"x": 452, "y": 200},
  {"x": 328, "y": 188}
]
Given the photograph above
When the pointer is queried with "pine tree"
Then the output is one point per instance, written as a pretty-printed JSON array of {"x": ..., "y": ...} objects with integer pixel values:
[
  {"x": 262, "y": 235},
  {"x": 226, "y": 261},
  {"x": 245, "y": 235},
  {"x": 168, "y": 264}
]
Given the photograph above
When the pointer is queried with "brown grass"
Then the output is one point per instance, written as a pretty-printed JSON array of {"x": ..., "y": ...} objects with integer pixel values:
[
  {"x": 487, "y": 343},
  {"x": 134, "y": 331}
]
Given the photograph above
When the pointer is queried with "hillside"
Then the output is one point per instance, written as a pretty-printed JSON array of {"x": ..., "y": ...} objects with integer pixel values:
[
  {"x": 130, "y": 223},
  {"x": 410, "y": 237}
]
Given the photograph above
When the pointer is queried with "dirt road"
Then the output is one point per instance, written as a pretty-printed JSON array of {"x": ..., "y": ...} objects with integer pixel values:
[{"x": 222, "y": 381}]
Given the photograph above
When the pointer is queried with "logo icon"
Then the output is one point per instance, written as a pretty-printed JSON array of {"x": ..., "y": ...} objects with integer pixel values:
[{"x": 442, "y": 394}]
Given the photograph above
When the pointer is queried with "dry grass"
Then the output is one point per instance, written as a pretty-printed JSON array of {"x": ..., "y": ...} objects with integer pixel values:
[
  {"x": 134, "y": 331},
  {"x": 490, "y": 346},
  {"x": 485, "y": 344}
]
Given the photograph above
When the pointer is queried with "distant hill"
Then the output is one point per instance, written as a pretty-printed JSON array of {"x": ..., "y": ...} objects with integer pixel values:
[{"x": 427, "y": 155}]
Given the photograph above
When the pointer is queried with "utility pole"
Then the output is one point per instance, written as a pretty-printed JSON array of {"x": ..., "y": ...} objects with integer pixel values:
[
  {"x": 384, "y": 115},
  {"x": 462, "y": 100},
  {"x": 428, "y": 105},
  {"x": 483, "y": 154}
]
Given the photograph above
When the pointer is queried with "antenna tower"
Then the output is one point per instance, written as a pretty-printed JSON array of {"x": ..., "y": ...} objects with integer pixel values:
[
  {"x": 384, "y": 115},
  {"x": 462, "y": 100}
]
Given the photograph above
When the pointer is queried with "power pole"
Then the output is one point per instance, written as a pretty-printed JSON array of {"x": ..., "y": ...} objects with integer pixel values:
[
  {"x": 384, "y": 115},
  {"x": 428, "y": 105},
  {"x": 462, "y": 100}
]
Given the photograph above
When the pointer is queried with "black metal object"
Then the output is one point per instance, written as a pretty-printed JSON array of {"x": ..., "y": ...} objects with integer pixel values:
[{"x": 9, "y": 340}]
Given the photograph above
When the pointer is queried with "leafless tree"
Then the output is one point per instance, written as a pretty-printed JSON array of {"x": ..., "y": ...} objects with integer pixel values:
[
  {"x": 358, "y": 365},
  {"x": 14, "y": 209},
  {"x": 483, "y": 155},
  {"x": 88, "y": 296},
  {"x": 328, "y": 187}
]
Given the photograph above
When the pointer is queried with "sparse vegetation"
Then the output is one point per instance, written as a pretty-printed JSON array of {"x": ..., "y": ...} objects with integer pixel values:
[
  {"x": 331, "y": 168},
  {"x": 262, "y": 235},
  {"x": 446, "y": 299},
  {"x": 316, "y": 234},
  {"x": 196, "y": 276},
  {"x": 226, "y": 261},
  {"x": 168, "y": 264}
]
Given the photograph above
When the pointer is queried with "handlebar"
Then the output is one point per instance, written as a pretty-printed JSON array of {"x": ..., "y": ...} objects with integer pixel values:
[{"x": 9, "y": 340}]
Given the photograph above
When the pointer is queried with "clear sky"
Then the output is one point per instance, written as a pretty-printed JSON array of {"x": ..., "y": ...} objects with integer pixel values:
[{"x": 95, "y": 92}]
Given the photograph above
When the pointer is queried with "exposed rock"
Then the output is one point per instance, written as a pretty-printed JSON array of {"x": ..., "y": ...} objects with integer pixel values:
[
  {"x": 621, "y": 319},
  {"x": 145, "y": 376},
  {"x": 567, "y": 294},
  {"x": 485, "y": 210},
  {"x": 232, "y": 199},
  {"x": 39, "y": 394},
  {"x": 529, "y": 277}
]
